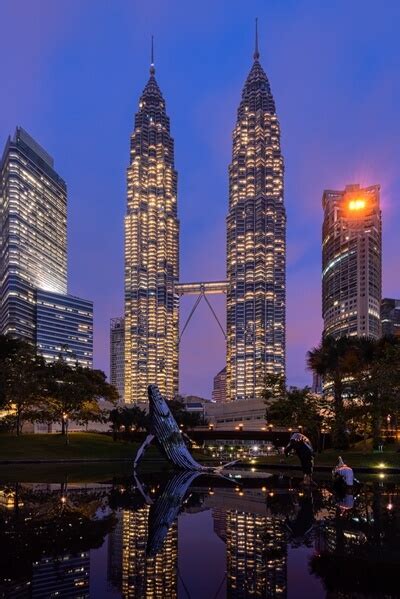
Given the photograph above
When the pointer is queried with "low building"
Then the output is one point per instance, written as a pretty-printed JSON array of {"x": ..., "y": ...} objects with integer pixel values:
[{"x": 228, "y": 415}]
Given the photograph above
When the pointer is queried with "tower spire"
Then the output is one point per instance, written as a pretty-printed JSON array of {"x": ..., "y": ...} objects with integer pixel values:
[
  {"x": 152, "y": 69},
  {"x": 256, "y": 52}
]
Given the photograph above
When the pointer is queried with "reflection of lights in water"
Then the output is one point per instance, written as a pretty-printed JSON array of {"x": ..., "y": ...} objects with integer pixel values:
[{"x": 381, "y": 465}]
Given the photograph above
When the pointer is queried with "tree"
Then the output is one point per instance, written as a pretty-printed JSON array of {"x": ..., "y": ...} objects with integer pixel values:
[
  {"x": 72, "y": 393},
  {"x": 377, "y": 382},
  {"x": 183, "y": 416},
  {"x": 299, "y": 408},
  {"x": 21, "y": 381},
  {"x": 127, "y": 418},
  {"x": 336, "y": 360},
  {"x": 274, "y": 389}
]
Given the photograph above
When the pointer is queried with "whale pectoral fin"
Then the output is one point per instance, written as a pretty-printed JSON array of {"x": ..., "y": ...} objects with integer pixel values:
[{"x": 142, "y": 449}]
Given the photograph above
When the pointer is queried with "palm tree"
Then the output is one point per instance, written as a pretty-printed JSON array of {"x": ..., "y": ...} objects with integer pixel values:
[{"x": 334, "y": 360}]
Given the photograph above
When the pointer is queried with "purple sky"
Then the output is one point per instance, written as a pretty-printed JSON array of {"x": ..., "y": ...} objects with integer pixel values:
[{"x": 72, "y": 72}]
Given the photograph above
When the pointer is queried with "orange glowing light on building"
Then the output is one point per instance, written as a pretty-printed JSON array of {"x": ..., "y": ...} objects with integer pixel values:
[{"x": 358, "y": 204}]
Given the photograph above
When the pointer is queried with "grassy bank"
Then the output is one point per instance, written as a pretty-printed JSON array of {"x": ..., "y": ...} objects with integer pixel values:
[
  {"x": 52, "y": 447},
  {"x": 352, "y": 458},
  {"x": 92, "y": 446}
]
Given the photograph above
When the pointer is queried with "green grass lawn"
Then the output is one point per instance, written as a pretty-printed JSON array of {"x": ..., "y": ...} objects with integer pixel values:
[
  {"x": 81, "y": 445},
  {"x": 352, "y": 458}
]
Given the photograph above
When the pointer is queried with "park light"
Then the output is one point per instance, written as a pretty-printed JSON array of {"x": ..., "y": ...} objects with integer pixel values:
[
  {"x": 63, "y": 499},
  {"x": 253, "y": 469},
  {"x": 263, "y": 489},
  {"x": 221, "y": 447},
  {"x": 390, "y": 506},
  {"x": 382, "y": 475},
  {"x": 255, "y": 448},
  {"x": 382, "y": 465}
]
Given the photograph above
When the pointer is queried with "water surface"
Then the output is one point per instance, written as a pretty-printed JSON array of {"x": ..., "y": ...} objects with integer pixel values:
[{"x": 199, "y": 537}]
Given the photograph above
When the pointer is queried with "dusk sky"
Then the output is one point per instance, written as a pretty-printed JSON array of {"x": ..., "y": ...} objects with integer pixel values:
[{"x": 71, "y": 75}]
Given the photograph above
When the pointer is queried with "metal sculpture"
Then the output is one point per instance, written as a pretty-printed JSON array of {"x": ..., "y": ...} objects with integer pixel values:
[
  {"x": 164, "y": 511},
  {"x": 165, "y": 431}
]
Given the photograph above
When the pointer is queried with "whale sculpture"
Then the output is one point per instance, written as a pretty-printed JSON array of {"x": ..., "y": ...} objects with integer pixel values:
[
  {"x": 164, "y": 511},
  {"x": 165, "y": 431}
]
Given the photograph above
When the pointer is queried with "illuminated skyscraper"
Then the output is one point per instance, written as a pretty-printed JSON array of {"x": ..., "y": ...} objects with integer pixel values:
[
  {"x": 151, "y": 253},
  {"x": 33, "y": 232},
  {"x": 352, "y": 261},
  {"x": 34, "y": 304},
  {"x": 256, "y": 231},
  {"x": 219, "y": 386}
]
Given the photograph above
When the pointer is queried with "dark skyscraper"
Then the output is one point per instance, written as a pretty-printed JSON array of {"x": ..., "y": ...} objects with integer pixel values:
[
  {"x": 151, "y": 253},
  {"x": 117, "y": 354},
  {"x": 256, "y": 253},
  {"x": 390, "y": 316}
]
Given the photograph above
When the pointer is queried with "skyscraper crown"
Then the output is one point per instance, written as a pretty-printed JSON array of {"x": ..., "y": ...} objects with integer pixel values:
[{"x": 256, "y": 92}]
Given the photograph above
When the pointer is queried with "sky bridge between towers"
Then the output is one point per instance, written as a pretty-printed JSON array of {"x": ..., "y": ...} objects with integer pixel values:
[{"x": 202, "y": 289}]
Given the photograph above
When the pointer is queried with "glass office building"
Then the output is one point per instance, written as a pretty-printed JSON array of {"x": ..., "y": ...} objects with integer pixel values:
[
  {"x": 33, "y": 255},
  {"x": 64, "y": 326}
]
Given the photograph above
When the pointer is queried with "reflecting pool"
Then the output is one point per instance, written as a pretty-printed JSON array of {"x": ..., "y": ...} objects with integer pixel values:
[{"x": 199, "y": 537}]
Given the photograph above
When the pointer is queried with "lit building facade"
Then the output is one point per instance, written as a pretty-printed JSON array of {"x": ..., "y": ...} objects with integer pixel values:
[
  {"x": 352, "y": 262},
  {"x": 390, "y": 316},
  {"x": 144, "y": 576},
  {"x": 33, "y": 232},
  {"x": 219, "y": 386},
  {"x": 117, "y": 355},
  {"x": 256, "y": 554},
  {"x": 34, "y": 304},
  {"x": 256, "y": 243},
  {"x": 151, "y": 253},
  {"x": 64, "y": 327}
]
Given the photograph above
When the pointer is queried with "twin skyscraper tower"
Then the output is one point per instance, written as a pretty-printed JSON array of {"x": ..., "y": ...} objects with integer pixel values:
[{"x": 256, "y": 248}]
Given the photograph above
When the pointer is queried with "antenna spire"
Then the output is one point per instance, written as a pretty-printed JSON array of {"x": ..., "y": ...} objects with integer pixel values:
[
  {"x": 256, "y": 52},
  {"x": 152, "y": 69}
]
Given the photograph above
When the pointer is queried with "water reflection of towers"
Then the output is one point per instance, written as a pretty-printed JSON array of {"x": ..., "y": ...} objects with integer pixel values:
[
  {"x": 256, "y": 555},
  {"x": 142, "y": 576}
]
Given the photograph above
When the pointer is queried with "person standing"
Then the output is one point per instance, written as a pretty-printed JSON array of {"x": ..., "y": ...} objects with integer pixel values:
[{"x": 302, "y": 447}]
